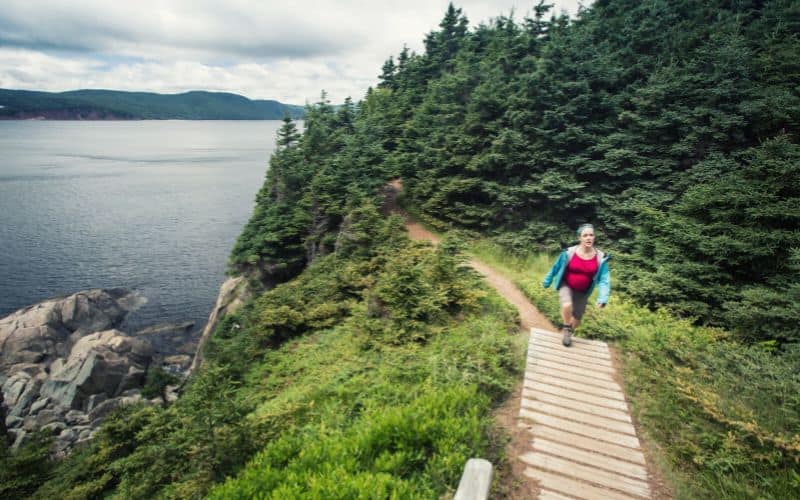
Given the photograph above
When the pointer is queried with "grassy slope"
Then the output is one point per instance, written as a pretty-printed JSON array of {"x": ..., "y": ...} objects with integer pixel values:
[
  {"x": 373, "y": 407},
  {"x": 395, "y": 420},
  {"x": 724, "y": 416}
]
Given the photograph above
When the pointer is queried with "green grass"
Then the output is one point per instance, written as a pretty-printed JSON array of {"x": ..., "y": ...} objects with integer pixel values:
[
  {"x": 354, "y": 411},
  {"x": 722, "y": 417},
  {"x": 355, "y": 421}
]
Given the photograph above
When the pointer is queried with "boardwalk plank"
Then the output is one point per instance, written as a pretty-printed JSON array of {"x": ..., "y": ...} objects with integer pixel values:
[
  {"x": 585, "y": 356},
  {"x": 622, "y": 416},
  {"x": 576, "y": 346},
  {"x": 581, "y": 417},
  {"x": 579, "y": 406},
  {"x": 570, "y": 358},
  {"x": 557, "y": 336},
  {"x": 589, "y": 474},
  {"x": 576, "y": 387},
  {"x": 534, "y": 386},
  {"x": 588, "y": 458},
  {"x": 579, "y": 428},
  {"x": 552, "y": 495},
  {"x": 572, "y": 487},
  {"x": 558, "y": 372},
  {"x": 566, "y": 367},
  {"x": 586, "y": 443}
]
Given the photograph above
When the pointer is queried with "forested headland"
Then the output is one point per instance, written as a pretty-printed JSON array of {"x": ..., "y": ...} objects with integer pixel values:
[
  {"x": 120, "y": 105},
  {"x": 367, "y": 364}
]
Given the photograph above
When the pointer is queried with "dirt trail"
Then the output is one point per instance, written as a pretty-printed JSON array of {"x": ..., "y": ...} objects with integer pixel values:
[
  {"x": 514, "y": 484},
  {"x": 530, "y": 317}
]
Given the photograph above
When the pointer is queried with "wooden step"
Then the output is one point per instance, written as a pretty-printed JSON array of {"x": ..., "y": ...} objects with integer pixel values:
[
  {"x": 586, "y": 443},
  {"x": 622, "y": 416},
  {"x": 558, "y": 362},
  {"x": 552, "y": 495},
  {"x": 566, "y": 367},
  {"x": 574, "y": 386},
  {"x": 583, "y": 429},
  {"x": 579, "y": 416},
  {"x": 578, "y": 347},
  {"x": 561, "y": 357},
  {"x": 588, "y": 474},
  {"x": 549, "y": 370},
  {"x": 572, "y": 487},
  {"x": 588, "y": 458},
  {"x": 550, "y": 335},
  {"x": 533, "y": 387},
  {"x": 572, "y": 350}
]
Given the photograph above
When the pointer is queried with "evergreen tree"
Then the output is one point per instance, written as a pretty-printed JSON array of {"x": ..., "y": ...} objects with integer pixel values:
[{"x": 287, "y": 134}]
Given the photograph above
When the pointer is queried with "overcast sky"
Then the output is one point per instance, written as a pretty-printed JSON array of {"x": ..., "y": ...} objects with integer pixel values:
[{"x": 288, "y": 51}]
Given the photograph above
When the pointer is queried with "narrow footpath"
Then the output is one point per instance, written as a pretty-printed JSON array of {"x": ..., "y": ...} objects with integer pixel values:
[{"x": 572, "y": 436}]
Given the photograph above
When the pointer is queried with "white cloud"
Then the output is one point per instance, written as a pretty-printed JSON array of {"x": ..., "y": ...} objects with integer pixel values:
[{"x": 258, "y": 49}]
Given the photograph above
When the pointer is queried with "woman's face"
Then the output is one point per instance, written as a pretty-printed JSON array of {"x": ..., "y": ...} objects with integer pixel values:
[{"x": 587, "y": 237}]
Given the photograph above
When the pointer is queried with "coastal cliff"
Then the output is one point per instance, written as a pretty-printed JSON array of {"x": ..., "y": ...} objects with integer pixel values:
[{"x": 232, "y": 294}]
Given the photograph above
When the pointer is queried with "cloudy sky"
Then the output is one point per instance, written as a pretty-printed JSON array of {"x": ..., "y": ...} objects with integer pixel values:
[{"x": 287, "y": 51}]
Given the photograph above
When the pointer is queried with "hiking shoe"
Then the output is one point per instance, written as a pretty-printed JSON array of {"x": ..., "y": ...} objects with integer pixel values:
[{"x": 567, "y": 340}]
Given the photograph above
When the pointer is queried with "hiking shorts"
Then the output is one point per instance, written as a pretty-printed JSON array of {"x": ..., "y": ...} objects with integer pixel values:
[{"x": 567, "y": 295}]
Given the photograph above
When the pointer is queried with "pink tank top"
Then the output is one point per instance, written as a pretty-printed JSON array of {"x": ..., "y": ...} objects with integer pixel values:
[{"x": 580, "y": 272}]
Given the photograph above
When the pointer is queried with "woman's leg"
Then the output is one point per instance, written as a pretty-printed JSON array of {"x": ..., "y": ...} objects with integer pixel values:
[
  {"x": 579, "y": 300},
  {"x": 566, "y": 314},
  {"x": 565, "y": 298}
]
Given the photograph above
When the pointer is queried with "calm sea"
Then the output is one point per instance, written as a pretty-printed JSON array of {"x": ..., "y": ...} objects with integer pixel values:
[{"x": 153, "y": 206}]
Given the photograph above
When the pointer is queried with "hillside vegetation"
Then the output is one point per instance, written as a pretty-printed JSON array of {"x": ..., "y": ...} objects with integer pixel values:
[
  {"x": 367, "y": 366},
  {"x": 115, "y": 104}
]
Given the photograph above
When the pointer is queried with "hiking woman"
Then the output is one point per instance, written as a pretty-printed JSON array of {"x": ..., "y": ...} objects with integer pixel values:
[{"x": 575, "y": 273}]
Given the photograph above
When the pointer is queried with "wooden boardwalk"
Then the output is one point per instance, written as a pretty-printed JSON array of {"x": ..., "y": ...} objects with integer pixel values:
[{"x": 583, "y": 442}]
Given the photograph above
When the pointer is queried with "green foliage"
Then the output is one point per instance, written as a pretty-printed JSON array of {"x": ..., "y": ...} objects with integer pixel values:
[
  {"x": 411, "y": 451},
  {"x": 725, "y": 252},
  {"x": 420, "y": 286},
  {"x": 156, "y": 382},
  {"x": 22, "y": 471}
]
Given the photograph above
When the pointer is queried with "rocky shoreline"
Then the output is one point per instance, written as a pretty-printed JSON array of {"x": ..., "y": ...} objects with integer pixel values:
[{"x": 64, "y": 365}]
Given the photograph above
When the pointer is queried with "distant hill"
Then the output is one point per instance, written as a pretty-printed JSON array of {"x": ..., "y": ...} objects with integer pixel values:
[{"x": 118, "y": 105}]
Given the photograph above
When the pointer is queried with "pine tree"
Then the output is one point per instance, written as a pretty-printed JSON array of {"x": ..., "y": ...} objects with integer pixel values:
[{"x": 288, "y": 134}]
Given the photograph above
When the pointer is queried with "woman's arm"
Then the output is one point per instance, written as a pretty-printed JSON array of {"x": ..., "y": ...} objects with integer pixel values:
[
  {"x": 603, "y": 284},
  {"x": 554, "y": 270}
]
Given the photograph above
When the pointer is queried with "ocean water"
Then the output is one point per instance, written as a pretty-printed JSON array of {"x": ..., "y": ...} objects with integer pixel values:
[{"x": 153, "y": 206}]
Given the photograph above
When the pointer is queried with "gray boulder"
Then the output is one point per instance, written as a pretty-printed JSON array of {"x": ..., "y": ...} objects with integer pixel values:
[
  {"x": 43, "y": 332},
  {"x": 38, "y": 405},
  {"x": 54, "y": 428},
  {"x": 30, "y": 393},
  {"x": 106, "y": 363},
  {"x": 13, "y": 422}
]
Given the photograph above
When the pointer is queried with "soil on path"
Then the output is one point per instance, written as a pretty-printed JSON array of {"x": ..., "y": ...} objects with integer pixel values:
[
  {"x": 530, "y": 317},
  {"x": 512, "y": 482}
]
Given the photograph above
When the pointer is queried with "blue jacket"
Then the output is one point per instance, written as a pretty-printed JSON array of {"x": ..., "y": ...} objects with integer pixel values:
[{"x": 602, "y": 278}]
